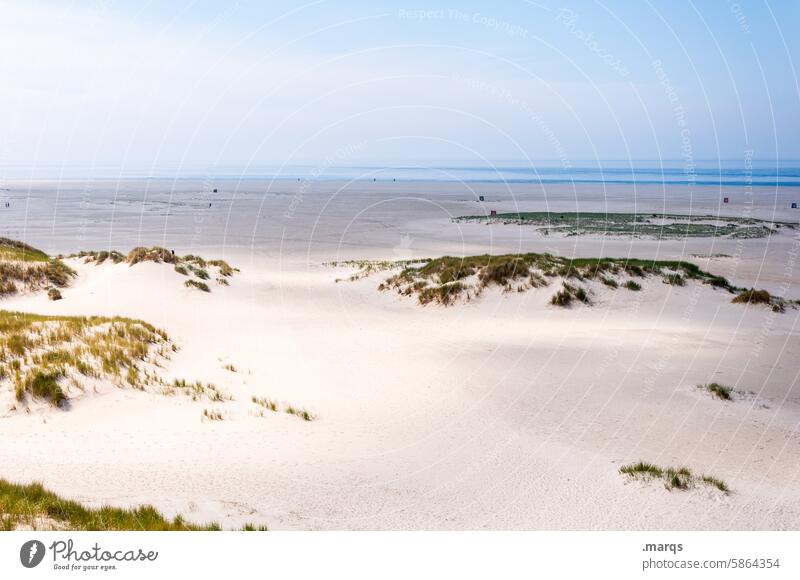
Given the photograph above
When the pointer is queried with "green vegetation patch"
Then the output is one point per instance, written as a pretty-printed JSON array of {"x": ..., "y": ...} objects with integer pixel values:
[
  {"x": 762, "y": 297},
  {"x": 197, "y": 284},
  {"x": 645, "y": 225},
  {"x": 40, "y": 356},
  {"x": 719, "y": 391},
  {"x": 16, "y": 251},
  {"x": 567, "y": 294},
  {"x": 32, "y": 506},
  {"x": 680, "y": 478},
  {"x": 23, "y": 267},
  {"x": 446, "y": 279}
]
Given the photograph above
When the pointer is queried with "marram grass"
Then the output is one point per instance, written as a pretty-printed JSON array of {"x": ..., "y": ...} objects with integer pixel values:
[
  {"x": 41, "y": 356},
  {"x": 31, "y": 506},
  {"x": 680, "y": 478},
  {"x": 447, "y": 279},
  {"x": 189, "y": 265},
  {"x": 23, "y": 267}
]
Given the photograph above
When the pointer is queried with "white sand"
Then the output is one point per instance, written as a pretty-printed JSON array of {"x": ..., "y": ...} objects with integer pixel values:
[{"x": 505, "y": 413}]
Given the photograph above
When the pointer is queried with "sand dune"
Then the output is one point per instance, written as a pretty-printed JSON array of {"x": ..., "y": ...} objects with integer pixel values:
[{"x": 504, "y": 413}]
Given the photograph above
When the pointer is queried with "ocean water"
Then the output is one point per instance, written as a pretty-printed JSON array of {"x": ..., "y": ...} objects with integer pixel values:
[{"x": 742, "y": 173}]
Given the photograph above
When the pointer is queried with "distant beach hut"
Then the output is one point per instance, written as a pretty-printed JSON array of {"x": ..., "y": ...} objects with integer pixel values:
[
  {"x": 493, "y": 213},
  {"x": 725, "y": 200},
  {"x": 480, "y": 198}
]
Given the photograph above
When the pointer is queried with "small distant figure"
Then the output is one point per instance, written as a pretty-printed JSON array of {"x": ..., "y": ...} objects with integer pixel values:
[
  {"x": 493, "y": 213},
  {"x": 173, "y": 252},
  {"x": 725, "y": 200},
  {"x": 374, "y": 179},
  {"x": 209, "y": 204}
]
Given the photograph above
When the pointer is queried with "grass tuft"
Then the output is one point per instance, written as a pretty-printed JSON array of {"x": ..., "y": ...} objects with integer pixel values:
[
  {"x": 642, "y": 468},
  {"x": 714, "y": 482},
  {"x": 753, "y": 296},
  {"x": 213, "y": 415},
  {"x": 720, "y": 391},
  {"x": 297, "y": 412},
  {"x": 561, "y": 298},
  {"x": 674, "y": 478},
  {"x": 199, "y": 285},
  {"x": 268, "y": 404},
  {"x": 674, "y": 280}
]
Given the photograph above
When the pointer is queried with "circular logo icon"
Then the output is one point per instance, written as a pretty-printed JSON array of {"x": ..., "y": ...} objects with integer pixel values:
[{"x": 31, "y": 553}]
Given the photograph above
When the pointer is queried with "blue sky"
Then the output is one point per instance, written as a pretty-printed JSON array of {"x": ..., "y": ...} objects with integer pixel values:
[{"x": 149, "y": 84}]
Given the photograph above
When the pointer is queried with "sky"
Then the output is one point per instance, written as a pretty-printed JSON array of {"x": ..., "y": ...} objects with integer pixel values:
[{"x": 178, "y": 83}]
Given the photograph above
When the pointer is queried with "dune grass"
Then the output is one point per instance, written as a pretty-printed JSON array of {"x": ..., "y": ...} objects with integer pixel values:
[
  {"x": 188, "y": 265},
  {"x": 196, "y": 284},
  {"x": 674, "y": 280},
  {"x": 197, "y": 390},
  {"x": 33, "y": 506},
  {"x": 23, "y": 267},
  {"x": 40, "y": 356},
  {"x": 680, "y": 478},
  {"x": 568, "y": 292},
  {"x": 254, "y": 528},
  {"x": 271, "y": 405},
  {"x": 268, "y": 404},
  {"x": 298, "y": 412},
  {"x": 719, "y": 391},
  {"x": 16, "y": 251},
  {"x": 753, "y": 296},
  {"x": 714, "y": 482},
  {"x": 444, "y": 280},
  {"x": 213, "y": 415},
  {"x": 642, "y": 468},
  {"x": 101, "y": 256}
]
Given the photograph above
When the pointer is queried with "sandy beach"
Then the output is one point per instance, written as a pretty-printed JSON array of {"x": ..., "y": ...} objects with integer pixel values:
[{"x": 501, "y": 413}]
